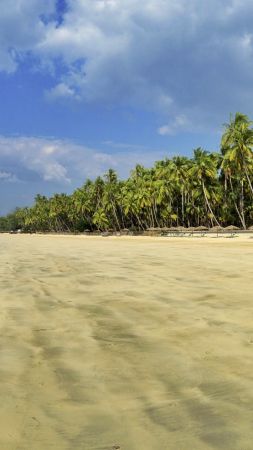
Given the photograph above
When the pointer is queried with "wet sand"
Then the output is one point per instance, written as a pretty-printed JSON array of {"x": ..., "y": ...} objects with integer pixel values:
[{"x": 126, "y": 343}]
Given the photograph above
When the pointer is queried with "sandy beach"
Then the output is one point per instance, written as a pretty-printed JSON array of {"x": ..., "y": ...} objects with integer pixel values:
[{"x": 126, "y": 343}]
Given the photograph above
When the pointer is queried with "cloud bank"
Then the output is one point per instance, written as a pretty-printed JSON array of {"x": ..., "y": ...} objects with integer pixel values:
[
  {"x": 21, "y": 29},
  {"x": 32, "y": 165},
  {"x": 28, "y": 159},
  {"x": 188, "y": 58}
]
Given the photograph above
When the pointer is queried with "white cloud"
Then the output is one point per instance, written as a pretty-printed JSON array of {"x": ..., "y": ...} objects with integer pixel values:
[
  {"x": 48, "y": 165},
  {"x": 179, "y": 123},
  {"x": 177, "y": 58},
  {"x": 7, "y": 176},
  {"x": 62, "y": 90},
  {"x": 21, "y": 29},
  {"x": 64, "y": 162},
  {"x": 49, "y": 149},
  {"x": 33, "y": 157}
]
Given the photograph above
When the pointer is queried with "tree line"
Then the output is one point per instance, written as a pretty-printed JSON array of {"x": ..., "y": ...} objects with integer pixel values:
[{"x": 209, "y": 189}]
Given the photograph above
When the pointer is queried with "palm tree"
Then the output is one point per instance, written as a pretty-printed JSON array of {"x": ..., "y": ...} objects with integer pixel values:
[
  {"x": 100, "y": 219},
  {"x": 83, "y": 205},
  {"x": 110, "y": 197},
  {"x": 236, "y": 184},
  {"x": 204, "y": 170},
  {"x": 208, "y": 188},
  {"x": 179, "y": 174},
  {"x": 236, "y": 145}
]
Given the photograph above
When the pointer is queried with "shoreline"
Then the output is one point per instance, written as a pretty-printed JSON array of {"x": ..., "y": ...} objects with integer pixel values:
[{"x": 241, "y": 235}]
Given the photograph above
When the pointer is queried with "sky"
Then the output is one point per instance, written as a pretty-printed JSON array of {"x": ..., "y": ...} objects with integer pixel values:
[{"x": 86, "y": 85}]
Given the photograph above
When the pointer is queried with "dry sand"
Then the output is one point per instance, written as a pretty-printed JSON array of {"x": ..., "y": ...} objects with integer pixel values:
[{"x": 126, "y": 343}]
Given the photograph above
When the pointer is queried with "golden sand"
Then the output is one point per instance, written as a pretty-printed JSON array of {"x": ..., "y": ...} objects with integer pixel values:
[{"x": 126, "y": 343}]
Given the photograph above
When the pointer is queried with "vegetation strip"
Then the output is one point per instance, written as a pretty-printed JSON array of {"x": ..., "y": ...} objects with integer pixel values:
[{"x": 210, "y": 190}]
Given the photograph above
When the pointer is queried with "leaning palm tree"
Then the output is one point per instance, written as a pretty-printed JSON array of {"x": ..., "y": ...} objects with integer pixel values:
[
  {"x": 100, "y": 219},
  {"x": 204, "y": 171},
  {"x": 179, "y": 174},
  {"x": 205, "y": 190},
  {"x": 237, "y": 144},
  {"x": 110, "y": 197}
]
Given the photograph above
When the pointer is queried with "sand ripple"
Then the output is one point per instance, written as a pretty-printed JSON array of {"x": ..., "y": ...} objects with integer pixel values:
[{"x": 126, "y": 344}]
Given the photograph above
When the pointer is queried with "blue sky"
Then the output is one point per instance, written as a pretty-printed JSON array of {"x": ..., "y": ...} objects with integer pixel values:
[{"x": 90, "y": 84}]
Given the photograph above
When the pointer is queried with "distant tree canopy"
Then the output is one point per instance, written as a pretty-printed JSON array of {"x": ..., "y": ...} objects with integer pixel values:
[{"x": 211, "y": 188}]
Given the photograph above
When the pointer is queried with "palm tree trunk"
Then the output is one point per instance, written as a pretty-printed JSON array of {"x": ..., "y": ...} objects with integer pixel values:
[
  {"x": 115, "y": 215},
  {"x": 242, "y": 203},
  {"x": 235, "y": 204},
  {"x": 208, "y": 204},
  {"x": 155, "y": 212},
  {"x": 139, "y": 221},
  {"x": 247, "y": 176},
  {"x": 154, "y": 215},
  {"x": 182, "y": 201}
]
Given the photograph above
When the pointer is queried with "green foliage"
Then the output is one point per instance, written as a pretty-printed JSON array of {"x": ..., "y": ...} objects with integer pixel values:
[
  {"x": 14, "y": 221},
  {"x": 207, "y": 189}
]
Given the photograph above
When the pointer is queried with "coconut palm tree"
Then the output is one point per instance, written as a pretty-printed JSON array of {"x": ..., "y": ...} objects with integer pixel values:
[
  {"x": 204, "y": 171},
  {"x": 110, "y": 197},
  {"x": 237, "y": 144},
  {"x": 100, "y": 219},
  {"x": 207, "y": 189}
]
